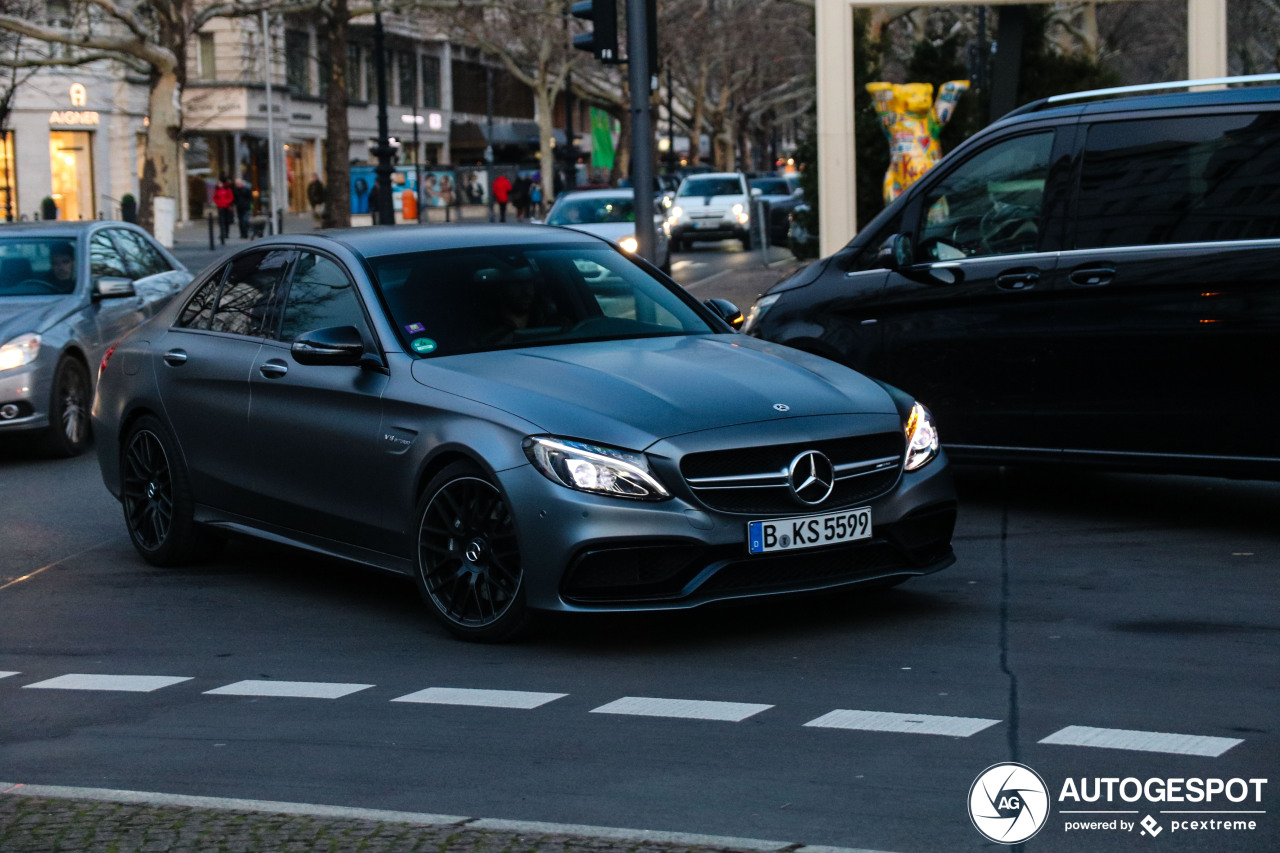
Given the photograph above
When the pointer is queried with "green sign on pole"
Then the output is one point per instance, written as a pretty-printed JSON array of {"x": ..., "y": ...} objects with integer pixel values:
[{"x": 601, "y": 139}]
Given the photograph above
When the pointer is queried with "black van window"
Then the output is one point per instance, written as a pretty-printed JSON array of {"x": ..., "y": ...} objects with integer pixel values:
[
  {"x": 988, "y": 205},
  {"x": 1198, "y": 179}
]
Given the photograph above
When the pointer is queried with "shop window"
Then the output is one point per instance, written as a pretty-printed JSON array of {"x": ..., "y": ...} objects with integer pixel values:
[
  {"x": 71, "y": 162},
  {"x": 8, "y": 183}
]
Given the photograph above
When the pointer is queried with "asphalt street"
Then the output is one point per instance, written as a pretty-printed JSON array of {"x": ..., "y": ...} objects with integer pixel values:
[{"x": 1095, "y": 626}]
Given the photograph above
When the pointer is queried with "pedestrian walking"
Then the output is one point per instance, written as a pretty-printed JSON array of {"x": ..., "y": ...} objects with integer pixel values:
[
  {"x": 224, "y": 199},
  {"x": 502, "y": 195},
  {"x": 535, "y": 198},
  {"x": 315, "y": 197},
  {"x": 242, "y": 194},
  {"x": 520, "y": 197}
]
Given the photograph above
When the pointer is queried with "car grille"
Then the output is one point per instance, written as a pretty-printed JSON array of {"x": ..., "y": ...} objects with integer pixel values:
[{"x": 753, "y": 480}]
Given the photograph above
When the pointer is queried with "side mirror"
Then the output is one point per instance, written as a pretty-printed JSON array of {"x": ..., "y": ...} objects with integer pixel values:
[
  {"x": 756, "y": 191},
  {"x": 727, "y": 311},
  {"x": 340, "y": 345},
  {"x": 896, "y": 252},
  {"x": 113, "y": 287}
]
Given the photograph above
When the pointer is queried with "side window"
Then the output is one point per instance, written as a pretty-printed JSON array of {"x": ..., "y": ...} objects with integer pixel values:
[
  {"x": 244, "y": 303},
  {"x": 990, "y": 204},
  {"x": 104, "y": 258},
  {"x": 1180, "y": 180},
  {"x": 321, "y": 295},
  {"x": 142, "y": 257},
  {"x": 197, "y": 312}
]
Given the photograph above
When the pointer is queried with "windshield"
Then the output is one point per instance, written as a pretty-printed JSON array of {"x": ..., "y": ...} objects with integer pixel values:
[
  {"x": 583, "y": 211},
  {"x": 772, "y": 186},
  {"x": 710, "y": 187},
  {"x": 498, "y": 297},
  {"x": 37, "y": 266}
]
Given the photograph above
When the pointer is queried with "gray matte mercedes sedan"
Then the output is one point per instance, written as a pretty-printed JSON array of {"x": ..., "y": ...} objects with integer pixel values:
[{"x": 520, "y": 418}]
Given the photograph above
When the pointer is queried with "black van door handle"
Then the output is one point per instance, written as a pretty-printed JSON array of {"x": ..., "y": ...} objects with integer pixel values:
[
  {"x": 1092, "y": 276},
  {"x": 1017, "y": 280}
]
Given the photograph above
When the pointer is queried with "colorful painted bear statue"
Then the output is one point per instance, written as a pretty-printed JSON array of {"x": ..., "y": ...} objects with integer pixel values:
[{"x": 912, "y": 121}]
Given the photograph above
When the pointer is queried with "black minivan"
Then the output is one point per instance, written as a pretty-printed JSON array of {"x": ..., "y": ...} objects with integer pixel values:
[{"x": 1085, "y": 281}]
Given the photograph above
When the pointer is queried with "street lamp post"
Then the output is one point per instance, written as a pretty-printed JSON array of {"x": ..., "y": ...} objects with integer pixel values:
[
  {"x": 385, "y": 214},
  {"x": 488, "y": 140}
]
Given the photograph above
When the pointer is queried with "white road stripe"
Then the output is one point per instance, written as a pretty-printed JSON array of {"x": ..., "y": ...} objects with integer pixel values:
[
  {"x": 7, "y": 674},
  {"x": 690, "y": 709},
  {"x": 289, "y": 689},
  {"x": 480, "y": 698},
  {"x": 919, "y": 724},
  {"x": 124, "y": 683},
  {"x": 1140, "y": 741}
]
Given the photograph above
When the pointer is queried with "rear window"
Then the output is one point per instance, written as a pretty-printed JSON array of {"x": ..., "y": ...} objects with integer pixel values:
[{"x": 1197, "y": 179}]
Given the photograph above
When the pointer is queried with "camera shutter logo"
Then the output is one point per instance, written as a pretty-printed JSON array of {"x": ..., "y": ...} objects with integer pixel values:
[{"x": 1008, "y": 803}]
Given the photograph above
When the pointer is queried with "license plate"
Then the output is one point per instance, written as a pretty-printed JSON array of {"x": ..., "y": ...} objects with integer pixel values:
[
  {"x": 809, "y": 531},
  {"x": 707, "y": 223}
]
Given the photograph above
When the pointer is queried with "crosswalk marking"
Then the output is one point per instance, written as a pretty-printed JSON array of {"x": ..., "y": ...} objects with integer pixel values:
[
  {"x": 123, "y": 683},
  {"x": 1140, "y": 741},
  {"x": 289, "y": 689},
  {"x": 480, "y": 698},
  {"x": 690, "y": 709},
  {"x": 884, "y": 721}
]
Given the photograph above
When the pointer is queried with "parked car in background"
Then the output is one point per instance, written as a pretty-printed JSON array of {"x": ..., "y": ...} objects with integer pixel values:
[
  {"x": 1091, "y": 280},
  {"x": 782, "y": 193},
  {"x": 712, "y": 206},
  {"x": 67, "y": 291},
  {"x": 517, "y": 417},
  {"x": 611, "y": 214}
]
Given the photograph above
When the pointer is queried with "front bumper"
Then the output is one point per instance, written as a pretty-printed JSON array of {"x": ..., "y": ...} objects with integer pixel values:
[
  {"x": 717, "y": 230},
  {"x": 584, "y": 552},
  {"x": 27, "y": 390}
]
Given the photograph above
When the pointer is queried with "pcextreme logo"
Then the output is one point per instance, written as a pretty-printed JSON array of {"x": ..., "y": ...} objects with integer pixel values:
[{"x": 1008, "y": 803}]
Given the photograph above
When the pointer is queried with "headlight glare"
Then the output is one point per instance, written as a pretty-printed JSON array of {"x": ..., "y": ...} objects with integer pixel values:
[
  {"x": 676, "y": 213},
  {"x": 595, "y": 469},
  {"x": 19, "y": 351},
  {"x": 629, "y": 244},
  {"x": 922, "y": 438}
]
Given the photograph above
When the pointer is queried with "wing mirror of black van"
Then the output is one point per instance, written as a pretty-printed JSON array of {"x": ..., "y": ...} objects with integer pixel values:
[{"x": 896, "y": 252}]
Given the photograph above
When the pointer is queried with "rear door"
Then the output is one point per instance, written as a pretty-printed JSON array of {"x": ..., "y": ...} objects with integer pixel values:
[
  {"x": 966, "y": 324},
  {"x": 1169, "y": 293}
]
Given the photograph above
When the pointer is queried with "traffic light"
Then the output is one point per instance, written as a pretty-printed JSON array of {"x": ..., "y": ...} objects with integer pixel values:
[{"x": 602, "y": 39}]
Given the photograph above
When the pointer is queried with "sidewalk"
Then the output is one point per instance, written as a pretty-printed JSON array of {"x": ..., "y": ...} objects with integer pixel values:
[{"x": 46, "y": 819}]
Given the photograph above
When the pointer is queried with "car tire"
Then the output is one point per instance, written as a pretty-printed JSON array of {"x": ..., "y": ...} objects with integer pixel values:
[
  {"x": 159, "y": 510},
  {"x": 467, "y": 556},
  {"x": 69, "y": 429}
]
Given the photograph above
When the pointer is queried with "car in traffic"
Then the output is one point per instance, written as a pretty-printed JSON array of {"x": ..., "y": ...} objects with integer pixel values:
[
  {"x": 1091, "y": 280},
  {"x": 711, "y": 206},
  {"x": 67, "y": 291},
  {"x": 781, "y": 193},
  {"x": 519, "y": 418},
  {"x": 611, "y": 214}
]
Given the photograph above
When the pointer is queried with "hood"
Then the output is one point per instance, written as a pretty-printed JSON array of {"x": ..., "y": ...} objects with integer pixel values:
[
  {"x": 20, "y": 315},
  {"x": 632, "y": 393}
]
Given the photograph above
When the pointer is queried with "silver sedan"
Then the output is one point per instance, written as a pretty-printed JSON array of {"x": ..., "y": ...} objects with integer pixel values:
[{"x": 67, "y": 290}]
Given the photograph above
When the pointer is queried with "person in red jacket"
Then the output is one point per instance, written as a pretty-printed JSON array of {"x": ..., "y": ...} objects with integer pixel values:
[
  {"x": 223, "y": 199},
  {"x": 502, "y": 194}
]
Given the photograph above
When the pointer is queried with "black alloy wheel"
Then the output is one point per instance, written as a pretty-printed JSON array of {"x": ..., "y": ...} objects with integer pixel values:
[
  {"x": 69, "y": 428},
  {"x": 158, "y": 507},
  {"x": 468, "y": 556}
]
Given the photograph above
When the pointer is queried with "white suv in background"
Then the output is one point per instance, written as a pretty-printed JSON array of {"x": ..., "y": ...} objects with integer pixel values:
[{"x": 711, "y": 206}]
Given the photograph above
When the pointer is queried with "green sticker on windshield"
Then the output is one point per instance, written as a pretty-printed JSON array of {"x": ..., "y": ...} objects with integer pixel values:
[{"x": 423, "y": 345}]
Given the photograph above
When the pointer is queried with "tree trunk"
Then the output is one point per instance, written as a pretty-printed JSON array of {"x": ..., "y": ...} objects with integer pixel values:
[
  {"x": 546, "y": 153},
  {"x": 337, "y": 143},
  {"x": 699, "y": 114},
  {"x": 160, "y": 162}
]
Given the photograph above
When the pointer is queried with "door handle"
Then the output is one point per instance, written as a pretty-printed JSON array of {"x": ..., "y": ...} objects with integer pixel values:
[
  {"x": 1092, "y": 276},
  {"x": 175, "y": 358},
  {"x": 273, "y": 369},
  {"x": 1021, "y": 280}
]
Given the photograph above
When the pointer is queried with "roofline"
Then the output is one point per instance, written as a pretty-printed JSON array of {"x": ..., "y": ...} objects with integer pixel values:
[{"x": 1056, "y": 100}]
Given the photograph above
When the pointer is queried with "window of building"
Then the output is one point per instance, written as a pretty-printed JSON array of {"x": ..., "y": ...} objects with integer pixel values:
[
  {"x": 353, "y": 71},
  {"x": 208, "y": 67},
  {"x": 408, "y": 76},
  {"x": 370, "y": 77},
  {"x": 1180, "y": 180},
  {"x": 297, "y": 59},
  {"x": 324, "y": 69},
  {"x": 431, "y": 82}
]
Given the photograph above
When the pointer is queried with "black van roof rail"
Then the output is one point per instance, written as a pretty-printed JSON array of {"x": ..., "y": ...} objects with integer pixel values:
[{"x": 1053, "y": 100}]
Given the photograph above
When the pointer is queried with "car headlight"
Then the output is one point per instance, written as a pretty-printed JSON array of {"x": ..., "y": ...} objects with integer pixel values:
[
  {"x": 922, "y": 438},
  {"x": 629, "y": 244},
  {"x": 595, "y": 469},
  {"x": 759, "y": 309},
  {"x": 676, "y": 213},
  {"x": 19, "y": 351}
]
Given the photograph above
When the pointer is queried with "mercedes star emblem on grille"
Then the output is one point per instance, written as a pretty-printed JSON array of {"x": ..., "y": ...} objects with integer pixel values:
[{"x": 811, "y": 477}]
